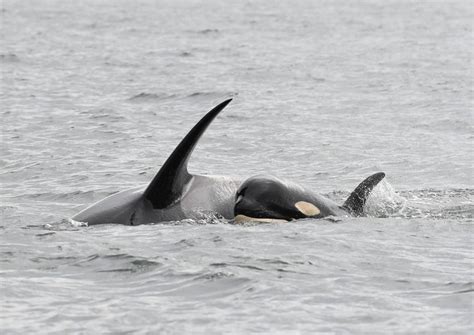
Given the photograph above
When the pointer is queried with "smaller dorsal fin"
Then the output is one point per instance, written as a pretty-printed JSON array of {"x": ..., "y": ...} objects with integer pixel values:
[
  {"x": 356, "y": 201},
  {"x": 169, "y": 182}
]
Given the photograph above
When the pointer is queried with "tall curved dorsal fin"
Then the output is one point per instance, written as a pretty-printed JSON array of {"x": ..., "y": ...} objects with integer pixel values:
[
  {"x": 356, "y": 201},
  {"x": 169, "y": 182}
]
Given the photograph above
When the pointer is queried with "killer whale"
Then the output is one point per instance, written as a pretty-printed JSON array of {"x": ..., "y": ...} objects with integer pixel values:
[
  {"x": 175, "y": 194},
  {"x": 270, "y": 199}
]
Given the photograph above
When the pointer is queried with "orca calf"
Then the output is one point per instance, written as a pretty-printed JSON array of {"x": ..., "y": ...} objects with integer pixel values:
[
  {"x": 175, "y": 194},
  {"x": 269, "y": 199}
]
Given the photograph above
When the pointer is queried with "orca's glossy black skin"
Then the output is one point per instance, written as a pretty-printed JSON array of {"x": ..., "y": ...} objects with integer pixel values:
[{"x": 267, "y": 197}]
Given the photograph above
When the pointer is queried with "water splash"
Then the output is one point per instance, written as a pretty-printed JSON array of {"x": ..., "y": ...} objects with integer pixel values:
[
  {"x": 384, "y": 201},
  {"x": 427, "y": 203}
]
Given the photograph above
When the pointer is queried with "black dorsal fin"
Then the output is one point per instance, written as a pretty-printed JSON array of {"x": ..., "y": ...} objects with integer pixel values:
[
  {"x": 169, "y": 182},
  {"x": 356, "y": 201}
]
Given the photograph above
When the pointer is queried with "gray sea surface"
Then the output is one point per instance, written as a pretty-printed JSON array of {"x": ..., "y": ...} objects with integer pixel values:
[{"x": 96, "y": 94}]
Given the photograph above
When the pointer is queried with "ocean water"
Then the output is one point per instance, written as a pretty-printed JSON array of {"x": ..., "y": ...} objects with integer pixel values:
[{"x": 96, "y": 94}]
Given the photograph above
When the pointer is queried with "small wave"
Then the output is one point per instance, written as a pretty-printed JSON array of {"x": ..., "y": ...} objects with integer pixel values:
[
  {"x": 454, "y": 288},
  {"x": 208, "y": 31},
  {"x": 214, "y": 276},
  {"x": 51, "y": 263},
  {"x": 17, "y": 167},
  {"x": 121, "y": 64},
  {"x": 45, "y": 234},
  {"x": 212, "y": 94},
  {"x": 318, "y": 80},
  {"x": 105, "y": 114},
  {"x": 469, "y": 290},
  {"x": 117, "y": 263},
  {"x": 77, "y": 196},
  {"x": 144, "y": 263},
  {"x": 151, "y": 97},
  {"x": 186, "y": 242},
  {"x": 143, "y": 96},
  {"x": 117, "y": 256},
  {"x": 135, "y": 266},
  {"x": 238, "y": 265},
  {"x": 276, "y": 261},
  {"x": 9, "y": 58},
  {"x": 117, "y": 270}
]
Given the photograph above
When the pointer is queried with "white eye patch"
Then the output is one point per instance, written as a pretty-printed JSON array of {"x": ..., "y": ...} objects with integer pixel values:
[{"x": 307, "y": 208}]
